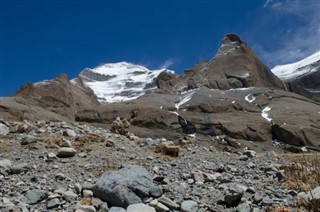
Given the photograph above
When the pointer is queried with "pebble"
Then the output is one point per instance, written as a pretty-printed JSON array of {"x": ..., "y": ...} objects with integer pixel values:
[
  {"x": 140, "y": 207},
  {"x": 28, "y": 139},
  {"x": 19, "y": 168},
  {"x": 117, "y": 209},
  {"x": 65, "y": 152},
  {"x": 189, "y": 206},
  {"x": 53, "y": 203}
]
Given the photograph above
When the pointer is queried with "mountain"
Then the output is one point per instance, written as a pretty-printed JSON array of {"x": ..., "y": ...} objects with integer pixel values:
[
  {"x": 234, "y": 95},
  {"x": 235, "y": 65},
  {"x": 302, "y": 77},
  {"x": 117, "y": 82}
]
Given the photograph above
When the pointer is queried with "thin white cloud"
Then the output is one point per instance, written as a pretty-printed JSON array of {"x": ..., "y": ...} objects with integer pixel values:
[
  {"x": 297, "y": 40},
  {"x": 268, "y": 2},
  {"x": 167, "y": 63}
]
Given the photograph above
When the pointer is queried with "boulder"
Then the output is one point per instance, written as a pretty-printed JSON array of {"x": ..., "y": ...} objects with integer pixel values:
[{"x": 130, "y": 185}]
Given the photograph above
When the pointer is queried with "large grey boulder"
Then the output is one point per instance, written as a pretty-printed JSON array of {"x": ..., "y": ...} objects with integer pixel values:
[{"x": 127, "y": 186}]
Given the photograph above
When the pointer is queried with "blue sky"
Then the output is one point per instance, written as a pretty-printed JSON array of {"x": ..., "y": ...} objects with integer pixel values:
[{"x": 42, "y": 38}]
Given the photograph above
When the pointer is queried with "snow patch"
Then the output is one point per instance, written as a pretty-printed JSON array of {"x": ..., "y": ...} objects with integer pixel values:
[
  {"x": 249, "y": 99},
  {"x": 265, "y": 114},
  {"x": 44, "y": 82},
  {"x": 186, "y": 96},
  {"x": 121, "y": 81},
  {"x": 295, "y": 70}
]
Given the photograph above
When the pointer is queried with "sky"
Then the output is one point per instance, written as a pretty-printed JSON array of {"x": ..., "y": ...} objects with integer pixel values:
[{"x": 39, "y": 39}]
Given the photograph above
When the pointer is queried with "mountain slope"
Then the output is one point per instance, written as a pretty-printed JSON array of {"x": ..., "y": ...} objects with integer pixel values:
[
  {"x": 302, "y": 77},
  {"x": 117, "y": 82}
]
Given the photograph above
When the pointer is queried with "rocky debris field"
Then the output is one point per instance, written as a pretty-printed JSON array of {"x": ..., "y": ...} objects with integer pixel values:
[{"x": 60, "y": 166}]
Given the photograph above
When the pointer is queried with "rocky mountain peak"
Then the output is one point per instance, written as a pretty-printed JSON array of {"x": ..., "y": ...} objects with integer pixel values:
[{"x": 231, "y": 38}]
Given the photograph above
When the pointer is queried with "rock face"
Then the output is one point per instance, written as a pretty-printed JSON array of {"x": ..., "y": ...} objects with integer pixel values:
[
  {"x": 255, "y": 114},
  {"x": 302, "y": 77},
  {"x": 130, "y": 185},
  {"x": 234, "y": 66},
  {"x": 59, "y": 95}
]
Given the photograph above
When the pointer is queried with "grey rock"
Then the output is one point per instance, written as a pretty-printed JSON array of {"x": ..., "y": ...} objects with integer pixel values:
[
  {"x": 28, "y": 139},
  {"x": 243, "y": 207},
  {"x": 189, "y": 206},
  {"x": 66, "y": 152},
  {"x": 78, "y": 188},
  {"x": 70, "y": 133},
  {"x": 5, "y": 163},
  {"x": 19, "y": 168},
  {"x": 140, "y": 207},
  {"x": 86, "y": 208},
  {"x": 34, "y": 196},
  {"x": 53, "y": 203},
  {"x": 126, "y": 186},
  {"x": 243, "y": 158},
  {"x": 257, "y": 197},
  {"x": 168, "y": 202},
  {"x": 117, "y": 209},
  {"x": 4, "y": 129},
  {"x": 161, "y": 207},
  {"x": 293, "y": 193},
  {"x": 313, "y": 195},
  {"x": 250, "y": 153},
  {"x": 66, "y": 143},
  {"x": 267, "y": 201},
  {"x": 70, "y": 196},
  {"x": 232, "y": 198},
  {"x": 87, "y": 193}
]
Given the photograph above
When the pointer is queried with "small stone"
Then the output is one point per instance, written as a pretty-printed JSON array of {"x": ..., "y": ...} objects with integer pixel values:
[
  {"x": 34, "y": 196},
  {"x": 77, "y": 188},
  {"x": 293, "y": 193},
  {"x": 250, "y": 153},
  {"x": 156, "y": 169},
  {"x": 52, "y": 155},
  {"x": 198, "y": 177},
  {"x": 267, "y": 201},
  {"x": 110, "y": 143},
  {"x": 251, "y": 165},
  {"x": 65, "y": 152},
  {"x": 4, "y": 129},
  {"x": 189, "y": 206},
  {"x": 70, "y": 196},
  {"x": 161, "y": 207},
  {"x": 5, "y": 163},
  {"x": 140, "y": 207},
  {"x": 168, "y": 202},
  {"x": 28, "y": 139},
  {"x": 243, "y": 158},
  {"x": 70, "y": 133},
  {"x": 153, "y": 203},
  {"x": 66, "y": 143},
  {"x": 257, "y": 197},
  {"x": 87, "y": 193},
  {"x": 17, "y": 169},
  {"x": 53, "y": 203},
  {"x": 233, "y": 198},
  {"x": 60, "y": 176},
  {"x": 117, "y": 209},
  {"x": 243, "y": 207},
  {"x": 85, "y": 208}
]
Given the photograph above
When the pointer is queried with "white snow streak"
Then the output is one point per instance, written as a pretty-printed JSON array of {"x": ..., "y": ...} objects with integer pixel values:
[
  {"x": 265, "y": 114},
  {"x": 249, "y": 99},
  {"x": 185, "y": 98}
]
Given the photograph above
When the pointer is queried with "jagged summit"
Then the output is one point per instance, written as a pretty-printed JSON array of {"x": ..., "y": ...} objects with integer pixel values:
[{"x": 123, "y": 81}]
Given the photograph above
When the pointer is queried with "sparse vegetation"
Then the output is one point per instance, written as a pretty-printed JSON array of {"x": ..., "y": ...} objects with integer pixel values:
[{"x": 303, "y": 174}]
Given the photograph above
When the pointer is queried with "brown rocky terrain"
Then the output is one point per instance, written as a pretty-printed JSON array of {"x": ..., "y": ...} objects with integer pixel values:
[{"x": 59, "y": 95}]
